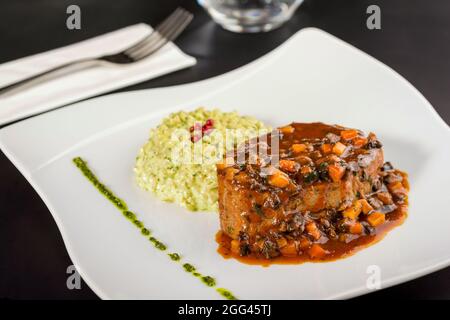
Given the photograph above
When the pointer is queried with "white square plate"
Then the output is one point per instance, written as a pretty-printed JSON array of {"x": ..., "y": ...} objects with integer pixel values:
[{"x": 312, "y": 77}]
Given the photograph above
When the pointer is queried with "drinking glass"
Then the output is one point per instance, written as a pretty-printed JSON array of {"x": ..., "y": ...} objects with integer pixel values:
[{"x": 250, "y": 15}]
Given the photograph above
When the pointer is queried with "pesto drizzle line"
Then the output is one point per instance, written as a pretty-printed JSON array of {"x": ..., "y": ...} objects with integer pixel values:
[{"x": 131, "y": 216}]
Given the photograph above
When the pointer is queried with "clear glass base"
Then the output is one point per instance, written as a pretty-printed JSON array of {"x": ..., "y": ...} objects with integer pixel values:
[{"x": 250, "y": 15}]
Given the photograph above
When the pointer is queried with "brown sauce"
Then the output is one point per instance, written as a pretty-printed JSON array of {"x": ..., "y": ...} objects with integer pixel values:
[{"x": 337, "y": 250}]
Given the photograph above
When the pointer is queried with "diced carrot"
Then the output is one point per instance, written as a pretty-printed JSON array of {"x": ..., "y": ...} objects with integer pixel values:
[
  {"x": 298, "y": 147},
  {"x": 385, "y": 197},
  {"x": 405, "y": 182},
  {"x": 282, "y": 242},
  {"x": 317, "y": 252},
  {"x": 396, "y": 186},
  {"x": 349, "y": 134},
  {"x": 356, "y": 228},
  {"x": 235, "y": 247},
  {"x": 287, "y": 129},
  {"x": 376, "y": 218},
  {"x": 343, "y": 237},
  {"x": 254, "y": 218},
  {"x": 305, "y": 170},
  {"x": 339, "y": 148},
  {"x": 366, "y": 207},
  {"x": 353, "y": 211},
  {"x": 304, "y": 243},
  {"x": 289, "y": 250},
  {"x": 326, "y": 148},
  {"x": 336, "y": 172},
  {"x": 312, "y": 230},
  {"x": 359, "y": 142},
  {"x": 279, "y": 179},
  {"x": 270, "y": 213},
  {"x": 289, "y": 165}
]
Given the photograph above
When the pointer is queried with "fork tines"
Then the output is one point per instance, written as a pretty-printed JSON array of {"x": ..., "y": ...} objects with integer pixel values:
[{"x": 165, "y": 32}]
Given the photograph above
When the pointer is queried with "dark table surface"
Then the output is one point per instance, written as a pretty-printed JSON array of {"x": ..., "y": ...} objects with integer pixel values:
[{"x": 414, "y": 40}]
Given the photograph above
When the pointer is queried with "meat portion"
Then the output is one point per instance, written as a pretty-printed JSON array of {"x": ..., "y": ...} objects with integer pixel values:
[
  {"x": 330, "y": 194},
  {"x": 302, "y": 191}
]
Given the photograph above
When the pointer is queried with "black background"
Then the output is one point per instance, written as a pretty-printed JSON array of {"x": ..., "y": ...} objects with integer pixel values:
[{"x": 414, "y": 40}]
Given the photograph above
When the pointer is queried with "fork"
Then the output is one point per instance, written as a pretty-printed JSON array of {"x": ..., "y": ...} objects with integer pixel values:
[{"x": 165, "y": 32}]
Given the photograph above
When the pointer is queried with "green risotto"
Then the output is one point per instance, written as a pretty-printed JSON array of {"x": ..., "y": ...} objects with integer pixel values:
[{"x": 178, "y": 162}]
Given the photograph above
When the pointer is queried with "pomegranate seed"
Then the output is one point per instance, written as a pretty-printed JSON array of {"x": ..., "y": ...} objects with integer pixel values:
[
  {"x": 206, "y": 129},
  {"x": 209, "y": 123}
]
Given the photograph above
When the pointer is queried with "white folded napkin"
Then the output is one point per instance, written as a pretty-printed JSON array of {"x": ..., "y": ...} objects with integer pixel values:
[{"x": 87, "y": 83}]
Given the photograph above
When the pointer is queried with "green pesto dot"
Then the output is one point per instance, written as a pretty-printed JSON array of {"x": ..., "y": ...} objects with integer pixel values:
[
  {"x": 158, "y": 244},
  {"x": 174, "y": 256},
  {"x": 209, "y": 281},
  {"x": 138, "y": 224},
  {"x": 227, "y": 294},
  {"x": 129, "y": 215},
  {"x": 188, "y": 267}
]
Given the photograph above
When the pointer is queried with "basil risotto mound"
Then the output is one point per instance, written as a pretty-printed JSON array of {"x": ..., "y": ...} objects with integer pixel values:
[{"x": 178, "y": 162}]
